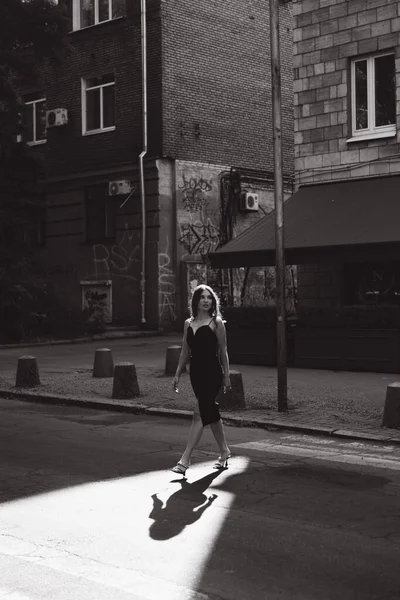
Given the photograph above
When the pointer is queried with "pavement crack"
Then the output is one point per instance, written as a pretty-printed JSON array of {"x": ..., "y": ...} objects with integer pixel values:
[{"x": 20, "y": 476}]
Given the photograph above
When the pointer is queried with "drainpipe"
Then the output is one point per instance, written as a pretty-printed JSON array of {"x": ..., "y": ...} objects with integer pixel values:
[{"x": 142, "y": 155}]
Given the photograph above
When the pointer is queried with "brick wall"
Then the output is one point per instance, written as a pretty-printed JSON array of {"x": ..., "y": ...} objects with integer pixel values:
[
  {"x": 327, "y": 34},
  {"x": 209, "y": 91},
  {"x": 111, "y": 47},
  {"x": 217, "y": 84},
  {"x": 209, "y": 101},
  {"x": 74, "y": 162},
  {"x": 70, "y": 258}
]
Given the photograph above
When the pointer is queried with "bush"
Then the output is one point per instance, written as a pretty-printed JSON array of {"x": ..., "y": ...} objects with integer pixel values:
[{"x": 32, "y": 311}]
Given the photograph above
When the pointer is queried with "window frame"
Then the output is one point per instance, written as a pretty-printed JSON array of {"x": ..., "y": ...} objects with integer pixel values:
[
  {"x": 33, "y": 103},
  {"x": 85, "y": 89},
  {"x": 76, "y": 15},
  {"x": 372, "y": 132}
]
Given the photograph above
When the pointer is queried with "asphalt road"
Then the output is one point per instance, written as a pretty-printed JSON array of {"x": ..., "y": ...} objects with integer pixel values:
[{"x": 90, "y": 510}]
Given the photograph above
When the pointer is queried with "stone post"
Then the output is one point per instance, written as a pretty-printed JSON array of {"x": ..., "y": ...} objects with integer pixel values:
[
  {"x": 125, "y": 384},
  {"x": 103, "y": 363},
  {"x": 27, "y": 372},
  {"x": 172, "y": 360},
  {"x": 391, "y": 411},
  {"x": 233, "y": 399}
]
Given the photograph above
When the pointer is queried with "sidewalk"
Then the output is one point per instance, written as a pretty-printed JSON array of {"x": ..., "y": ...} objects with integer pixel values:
[{"x": 327, "y": 402}]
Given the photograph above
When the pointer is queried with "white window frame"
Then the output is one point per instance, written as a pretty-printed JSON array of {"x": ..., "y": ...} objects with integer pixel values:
[
  {"x": 85, "y": 88},
  {"x": 33, "y": 103},
  {"x": 372, "y": 132},
  {"x": 76, "y": 14}
]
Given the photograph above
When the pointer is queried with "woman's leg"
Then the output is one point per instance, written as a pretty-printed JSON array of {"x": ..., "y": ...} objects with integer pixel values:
[
  {"x": 219, "y": 434},
  {"x": 195, "y": 433}
]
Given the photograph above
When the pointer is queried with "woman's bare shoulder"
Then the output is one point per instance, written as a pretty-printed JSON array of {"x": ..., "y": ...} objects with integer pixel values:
[{"x": 219, "y": 321}]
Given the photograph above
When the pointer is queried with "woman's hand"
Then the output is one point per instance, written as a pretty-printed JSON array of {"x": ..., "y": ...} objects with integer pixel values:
[
  {"x": 176, "y": 383},
  {"x": 227, "y": 384}
]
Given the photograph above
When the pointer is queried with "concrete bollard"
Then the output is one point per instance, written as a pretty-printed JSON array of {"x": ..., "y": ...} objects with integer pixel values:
[
  {"x": 234, "y": 398},
  {"x": 172, "y": 360},
  {"x": 391, "y": 411},
  {"x": 125, "y": 384},
  {"x": 27, "y": 372},
  {"x": 103, "y": 363}
]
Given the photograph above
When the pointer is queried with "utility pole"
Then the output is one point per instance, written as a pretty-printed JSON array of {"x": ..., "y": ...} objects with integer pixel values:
[{"x": 278, "y": 195}]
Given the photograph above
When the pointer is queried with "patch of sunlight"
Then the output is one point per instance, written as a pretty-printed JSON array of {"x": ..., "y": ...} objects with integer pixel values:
[
  {"x": 141, "y": 534},
  {"x": 334, "y": 454},
  {"x": 7, "y": 594}
]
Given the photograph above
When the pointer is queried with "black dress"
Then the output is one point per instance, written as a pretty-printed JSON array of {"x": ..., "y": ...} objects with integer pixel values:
[{"x": 205, "y": 371}]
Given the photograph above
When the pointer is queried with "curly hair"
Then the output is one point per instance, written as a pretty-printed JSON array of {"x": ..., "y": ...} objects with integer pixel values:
[{"x": 194, "y": 303}]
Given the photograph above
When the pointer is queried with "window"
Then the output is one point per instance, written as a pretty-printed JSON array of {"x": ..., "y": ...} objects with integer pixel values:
[
  {"x": 98, "y": 104},
  {"x": 372, "y": 283},
  {"x": 93, "y": 12},
  {"x": 101, "y": 210},
  {"x": 373, "y": 96},
  {"x": 34, "y": 120}
]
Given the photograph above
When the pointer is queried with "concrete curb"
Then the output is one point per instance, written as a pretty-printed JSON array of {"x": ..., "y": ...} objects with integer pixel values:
[
  {"x": 131, "y": 406},
  {"x": 112, "y": 335}
]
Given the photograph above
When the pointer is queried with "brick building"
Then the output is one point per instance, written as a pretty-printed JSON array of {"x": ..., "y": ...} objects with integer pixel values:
[
  {"x": 347, "y": 117},
  {"x": 209, "y": 149},
  {"x": 341, "y": 224}
]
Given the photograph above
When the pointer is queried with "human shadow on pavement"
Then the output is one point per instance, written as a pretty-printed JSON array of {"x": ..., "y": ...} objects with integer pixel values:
[{"x": 183, "y": 508}]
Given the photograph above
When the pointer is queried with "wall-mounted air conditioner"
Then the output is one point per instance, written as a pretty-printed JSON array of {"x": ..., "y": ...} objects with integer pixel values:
[
  {"x": 116, "y": 188},
  {"x": 249, "y": 201},
  {"x": 56, "y": 117}
]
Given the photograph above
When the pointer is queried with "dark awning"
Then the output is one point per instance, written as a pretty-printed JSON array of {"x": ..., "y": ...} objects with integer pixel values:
[{"x": 348, "y": 219}]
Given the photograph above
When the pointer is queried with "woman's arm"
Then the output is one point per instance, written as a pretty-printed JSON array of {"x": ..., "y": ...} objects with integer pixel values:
[
  {"x": 223, "y": 349},
  {"x": 184, "y": 355}
]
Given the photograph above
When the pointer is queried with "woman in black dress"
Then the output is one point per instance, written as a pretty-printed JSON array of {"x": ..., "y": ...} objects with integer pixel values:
[{"x": 204, "y": 341}]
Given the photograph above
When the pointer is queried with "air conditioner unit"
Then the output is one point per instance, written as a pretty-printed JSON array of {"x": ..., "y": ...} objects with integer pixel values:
[
  {"x": 249, "y": 201},
  {"x": 116, "y": 188},
  {"x": 56, "y": 117}
]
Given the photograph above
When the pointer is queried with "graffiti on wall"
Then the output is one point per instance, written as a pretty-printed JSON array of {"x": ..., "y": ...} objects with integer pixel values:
[
  {"x": 199, "y": 237},
  {"x": 208, "y": 216},
  {"x": 166, "y": 286},
  {"x": 198, "y": 211},
  {"x": 120, "y": 260},
  {"x": 194, "y": 192},
  {"x": 98, "y": 301}
]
